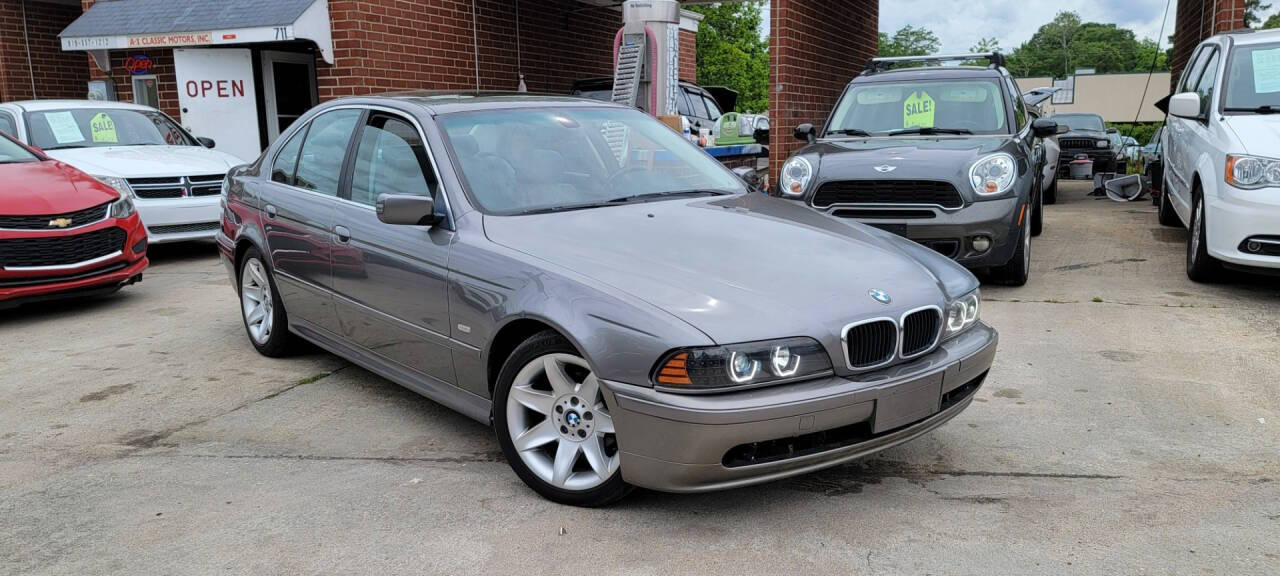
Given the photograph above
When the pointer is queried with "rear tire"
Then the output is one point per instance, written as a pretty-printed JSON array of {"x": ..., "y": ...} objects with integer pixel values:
[
  {"x": 265, "y": 320},
  {"x": 1051, "y": 195},
  {"x": 1201, "y": 267},
  {"x": 1018, "y": 270},
  {"x": 1166, "y": 214},
  {"x": 549, "y": 401}
]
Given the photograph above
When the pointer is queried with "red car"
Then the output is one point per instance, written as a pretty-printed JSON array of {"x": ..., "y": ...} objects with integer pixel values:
[{"x": 62, "y": 232}]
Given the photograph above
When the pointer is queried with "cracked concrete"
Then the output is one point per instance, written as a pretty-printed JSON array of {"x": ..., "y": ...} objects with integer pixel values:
[{"x": 141, "y": 434}]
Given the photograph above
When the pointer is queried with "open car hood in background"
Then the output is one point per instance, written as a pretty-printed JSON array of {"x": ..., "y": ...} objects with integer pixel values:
[{"x": 726, "y": 98}]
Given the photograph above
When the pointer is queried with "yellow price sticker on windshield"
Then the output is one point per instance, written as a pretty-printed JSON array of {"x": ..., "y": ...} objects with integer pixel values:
[
  {"x": 103, "y": 129},
  {"x": 917, "y": 111}
]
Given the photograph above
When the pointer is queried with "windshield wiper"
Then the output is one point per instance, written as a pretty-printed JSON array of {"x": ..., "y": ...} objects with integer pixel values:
[
  {"x": 850, "y": 132},
  {"x": 1264, "y": 109},
  {"x": 563, "y": 208},
  {"x": 923, "y": 131},
  {"x": 63, "y": 147},
  {"x": 656, "y": 195}
]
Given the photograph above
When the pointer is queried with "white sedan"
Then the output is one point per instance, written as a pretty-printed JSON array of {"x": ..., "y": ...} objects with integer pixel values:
[{"x": 174, "y": 177}]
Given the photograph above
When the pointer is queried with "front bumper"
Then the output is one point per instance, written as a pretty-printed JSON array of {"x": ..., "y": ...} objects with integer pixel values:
[
  {"x": 693, "y": 443},
  {"x": 951, "y": 232},
  {"x": 180, "y": 219},
  {"x": 104, "y": 274},
  {"x": 1234, "y": 216}
]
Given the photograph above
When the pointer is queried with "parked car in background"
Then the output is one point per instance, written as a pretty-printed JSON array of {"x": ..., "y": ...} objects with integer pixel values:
[
  {"x": 1151, "y": 150},
  {"x": 938, "y": 154},
  {"x": 503, "y": 275},
  {"x": 1089, "y": 136},
  {"x": 62, "y": 233},
  {"x": 1222, "y": 155},
  {"x": 1052, "y": 153},
  {"x": 1132, "y": 151},
  {"x": 711, "y": 107},
  {"x": 174, "y": 178}
]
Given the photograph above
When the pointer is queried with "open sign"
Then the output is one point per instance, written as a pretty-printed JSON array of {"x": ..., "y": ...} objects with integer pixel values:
[
  {"x": 215, "y": 88},
  {"x": 138, "y": 64}
]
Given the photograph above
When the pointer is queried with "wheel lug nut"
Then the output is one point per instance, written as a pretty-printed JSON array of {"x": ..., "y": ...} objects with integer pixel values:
[
  {"x": 582, "y": 433},
  {"x": 588, "y": 416},
  {"x": 574, "y": 401},
  {"x": 559, "y": 409},
  {"x": 564, "y": 430}
]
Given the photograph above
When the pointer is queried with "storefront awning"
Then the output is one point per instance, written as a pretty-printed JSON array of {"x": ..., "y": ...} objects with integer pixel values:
[{"x": 141, "y": 24}]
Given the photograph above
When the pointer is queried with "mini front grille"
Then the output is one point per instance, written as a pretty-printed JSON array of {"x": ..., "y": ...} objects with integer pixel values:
[
  {"x": 920, "y": 330},
  {"x": 888, "y": 192},
  {"x": 60, "y": 250},
  {"x": 877, "y": 214},
  {"x": 78, "y": 218},
  {"x": 871, "y": 344},
  {"x": 183, "y": 228}
]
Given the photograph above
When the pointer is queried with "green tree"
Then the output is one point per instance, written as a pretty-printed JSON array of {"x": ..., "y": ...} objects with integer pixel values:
[
  {"x": 1253, "y": 10},
  {"x": 731, "y": 52},
  {"x": 1272, "y": 22},
  {"x": 909, "y": 41},
  {"x": 1066, "y": 44},
  {"x": 985, "y": 46}
]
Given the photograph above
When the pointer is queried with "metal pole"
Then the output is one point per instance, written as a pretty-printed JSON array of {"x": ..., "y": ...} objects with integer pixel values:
[{"x": 27, "y": 40}]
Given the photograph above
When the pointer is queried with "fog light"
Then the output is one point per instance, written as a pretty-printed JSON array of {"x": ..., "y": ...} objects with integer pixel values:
[
  {"x": 981, "y": 243},
  {"x": 1253, "y": 247},
  {"x": 140, "y": 247}
]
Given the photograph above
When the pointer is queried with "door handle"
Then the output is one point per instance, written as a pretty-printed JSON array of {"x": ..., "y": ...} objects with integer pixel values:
[
  {"x": 270, "y": 210},
  {"x": 342, "y": 233}
]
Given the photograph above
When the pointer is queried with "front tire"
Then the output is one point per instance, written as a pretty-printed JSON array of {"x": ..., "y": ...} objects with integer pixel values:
[
  {"x": 554, "y": 426},
  {"x": 264, "y": 317},
  {"x": 1201, "y": 267},
  {"x": 1018, "y": 270}
]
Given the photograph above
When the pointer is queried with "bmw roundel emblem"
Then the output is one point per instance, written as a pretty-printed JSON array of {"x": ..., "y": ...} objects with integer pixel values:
[{"x": 880, "y": 296}]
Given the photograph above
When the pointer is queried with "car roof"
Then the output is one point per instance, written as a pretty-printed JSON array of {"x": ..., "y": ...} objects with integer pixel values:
[
  {"x": 38, "y": 105},
  {"x": 930, "y": 73},
  {"x": 1248, "y": 38},
  {"x": 437, "y": 103}
]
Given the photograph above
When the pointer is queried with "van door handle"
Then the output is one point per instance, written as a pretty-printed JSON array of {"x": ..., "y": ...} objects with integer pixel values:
[
  {"x": 342, "y": 233},
  {"x": 270, "y": 210}
]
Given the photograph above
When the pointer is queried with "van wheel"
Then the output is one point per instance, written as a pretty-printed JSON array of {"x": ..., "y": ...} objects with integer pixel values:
[
  {"x": 1201, "y": 267},
  {"x": 1018, "y": 270},
  {"x": 264, "y": 317},
  {"x": 554, "y": 426}
]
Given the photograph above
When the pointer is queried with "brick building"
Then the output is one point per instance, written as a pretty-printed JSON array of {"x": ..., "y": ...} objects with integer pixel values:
[{"x": 296, "y": 53}]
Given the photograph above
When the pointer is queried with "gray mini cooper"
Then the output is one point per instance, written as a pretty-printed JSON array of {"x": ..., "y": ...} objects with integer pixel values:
[
  {"x": 944, "y": 155},
  {"x": 611, "y": 299}
]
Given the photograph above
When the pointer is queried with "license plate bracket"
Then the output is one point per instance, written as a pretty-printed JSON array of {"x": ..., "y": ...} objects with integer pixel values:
[{"x": 908, "y": 403}]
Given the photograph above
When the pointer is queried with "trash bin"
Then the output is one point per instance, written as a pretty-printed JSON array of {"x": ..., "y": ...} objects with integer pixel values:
[{"x": 1081, "y": 169}]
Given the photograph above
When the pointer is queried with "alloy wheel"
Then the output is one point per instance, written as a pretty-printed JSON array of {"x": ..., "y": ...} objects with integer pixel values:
[
  {"x": 560, "y": 425},
  {"x": 256, "y": 301}
]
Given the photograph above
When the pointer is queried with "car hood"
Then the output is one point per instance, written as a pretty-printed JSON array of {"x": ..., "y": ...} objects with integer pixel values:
[
  {"x": 945, "y": 158},
  {"x": 1258, "y": 133},
  {"x": 147, "y": 161},
  {"x": 739, "y": 268},
  {"x": 49, "y": 187}
]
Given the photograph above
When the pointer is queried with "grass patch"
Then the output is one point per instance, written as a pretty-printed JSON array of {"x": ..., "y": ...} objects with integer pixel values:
[{"x": 313, "y": 378}]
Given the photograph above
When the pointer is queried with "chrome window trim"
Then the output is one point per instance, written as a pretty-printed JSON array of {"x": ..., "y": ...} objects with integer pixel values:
[
  {"x": 60, "y": 267},
  {"x": 844, "y": 343},
  {"x": 902, "y": 332}
]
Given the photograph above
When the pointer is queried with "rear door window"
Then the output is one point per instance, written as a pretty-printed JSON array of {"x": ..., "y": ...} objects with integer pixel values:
[{"x": 325, "y": 150}]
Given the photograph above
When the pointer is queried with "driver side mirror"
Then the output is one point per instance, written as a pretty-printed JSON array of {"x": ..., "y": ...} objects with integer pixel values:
[
  {"x": 1185, "y": 105},
  {"x": 1044, "y": 128},
  {"x": 750, "y": 176},
  {"x": 206, "y": 142},
  {"x": 407, "y": 210},
  {"x": 806, "y": 133}
]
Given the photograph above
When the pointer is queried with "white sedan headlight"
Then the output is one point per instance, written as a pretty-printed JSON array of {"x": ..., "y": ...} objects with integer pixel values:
[
  {"x": 1252, "y": 172},
  {"x": 796, "y": 174},
  {"x": 993, "y": 174},
  {"x": 120, "y": 184},
  {"x": 962, "y": 314}
]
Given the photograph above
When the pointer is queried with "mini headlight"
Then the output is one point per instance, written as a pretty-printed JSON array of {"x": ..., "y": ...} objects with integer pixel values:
[
  {"x": 122, "y": 208},
  {"x": 963, "y": 313},
  {"x": 120, "y": 184},
  {"x": 1252, "y": 172},
  {"x": 993, "y": 174},
  {"x": 796, "y": 174},
  {"x": 752, "y": 364}
]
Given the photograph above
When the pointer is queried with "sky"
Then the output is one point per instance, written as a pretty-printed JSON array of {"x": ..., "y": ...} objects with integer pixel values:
[{"x": 959, "y": 24}]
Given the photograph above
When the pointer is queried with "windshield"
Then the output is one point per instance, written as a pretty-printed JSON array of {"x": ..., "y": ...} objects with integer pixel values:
[
  {"x": 12, "y": 152},
  {"x": 1253, "y": 81},
  {"x": 951, "y": 106},
  {"x": 97, "y": 127},
  {"x": 1081, "y": 122},
  {"x": 531, "y": 160}
]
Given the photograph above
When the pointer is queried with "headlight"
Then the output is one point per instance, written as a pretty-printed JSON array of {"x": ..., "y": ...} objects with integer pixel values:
[
  {"x": 1104, "y": 144},
  {"x": 1252, "y": 172},
  {"x": 796, "y": 174},
  {"x": 122, "y": 208},
  {"x": 962, "y": 314},
  {"x": 993, "y": 174},
  {"x": 741, "y": 365},
  {"x": 120, "y": 184}
]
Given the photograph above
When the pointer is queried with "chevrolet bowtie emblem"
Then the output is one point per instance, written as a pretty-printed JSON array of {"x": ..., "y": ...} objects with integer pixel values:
[{"x": 59, "y": 222}]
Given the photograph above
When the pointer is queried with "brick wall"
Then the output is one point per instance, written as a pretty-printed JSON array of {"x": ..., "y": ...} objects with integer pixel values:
[
  {"x": 382, "y": 45},
  {"x": 57, "y": 74},
  {"x": 688, "y": 56},
  {"x": 1198, "y": 20},
  {"x": 815, "y": 49}
]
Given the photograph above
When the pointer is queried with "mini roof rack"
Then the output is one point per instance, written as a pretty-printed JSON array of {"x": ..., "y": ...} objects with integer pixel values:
[{"x": 885, "y": 63}]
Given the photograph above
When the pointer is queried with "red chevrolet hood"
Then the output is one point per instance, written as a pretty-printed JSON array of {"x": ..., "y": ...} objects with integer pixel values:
[{"x": 49, "y": 187}]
